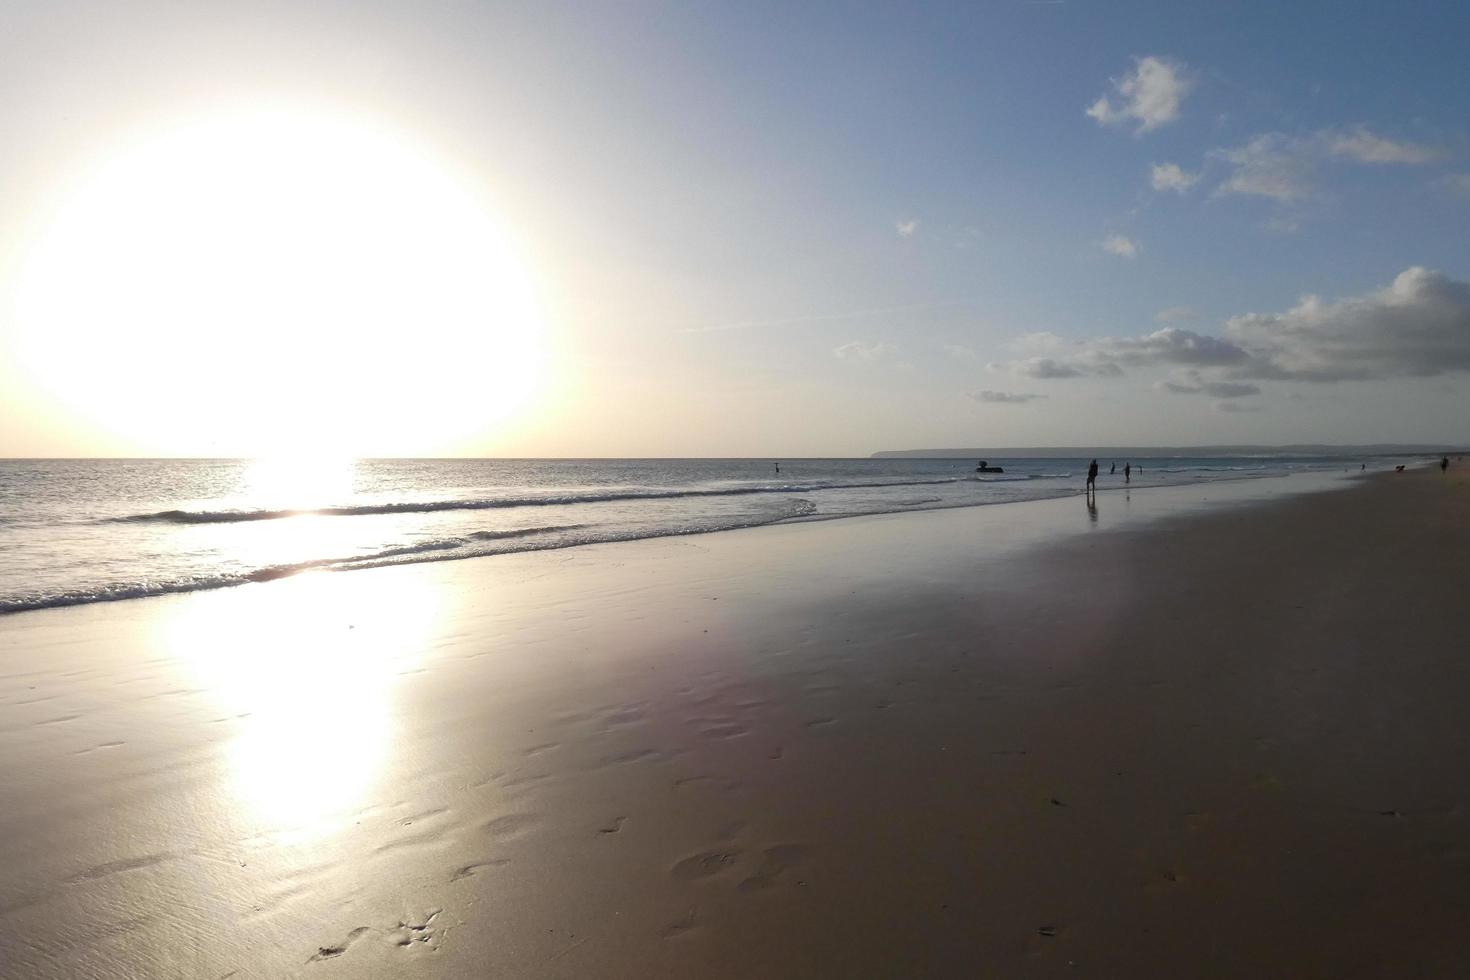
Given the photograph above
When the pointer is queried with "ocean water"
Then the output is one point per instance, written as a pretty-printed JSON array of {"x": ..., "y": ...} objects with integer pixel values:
[{"x": 78, "y": 531}]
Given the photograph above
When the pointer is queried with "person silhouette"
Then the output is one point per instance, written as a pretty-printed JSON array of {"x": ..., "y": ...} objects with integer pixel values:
[
  {"x": 1092, "y": 477},
  {"x": 1127, "y": 472},
  {"x": 1444, "y": 463},
  {"x": 1112, "y": 469}
]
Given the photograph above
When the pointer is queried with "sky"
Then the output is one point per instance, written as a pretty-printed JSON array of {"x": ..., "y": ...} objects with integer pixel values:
[{"x": 753, "y": 229}]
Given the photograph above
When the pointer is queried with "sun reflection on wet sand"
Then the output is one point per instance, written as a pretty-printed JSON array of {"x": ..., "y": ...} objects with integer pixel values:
[{"x": 308, "y": 669}]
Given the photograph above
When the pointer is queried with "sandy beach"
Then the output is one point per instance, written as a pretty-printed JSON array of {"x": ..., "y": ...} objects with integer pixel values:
[{"x": 1164, "y": 739}]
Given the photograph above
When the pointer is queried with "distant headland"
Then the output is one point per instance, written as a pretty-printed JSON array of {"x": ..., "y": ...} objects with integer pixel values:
[{"x": 1073, "y": 452}]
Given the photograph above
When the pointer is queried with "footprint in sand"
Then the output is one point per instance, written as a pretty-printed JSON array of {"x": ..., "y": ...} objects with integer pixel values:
[
  {"x": 681, "y": 925},
  {"x": 118, "y": 867},
  {"x": 775, "y": 862},
  {"x": 529, "y": 779},
  {"x": 704, "y": 865},
  {"x": 511, "y": 825},
  {"x": 96, "y": 748},
  {"x": 472, "y": 869},
  {"x": 327, "y": 952},
  {"x": 723, "y": 730},
  {"x": 413, "y": 932},
  {"x": 426, "y": 839},
  {"x": 612, "y": 826}
]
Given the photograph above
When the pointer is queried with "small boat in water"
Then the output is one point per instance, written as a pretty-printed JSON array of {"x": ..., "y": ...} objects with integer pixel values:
[{"x": 985, "y": 467}]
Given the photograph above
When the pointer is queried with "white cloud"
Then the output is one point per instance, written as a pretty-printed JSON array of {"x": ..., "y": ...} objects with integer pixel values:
[
  {"x": 1004, "y": 397},
  {"x": 1418, "y": 326},
  {"x": 1194, "y": 384},
  {"x": 1269, "y": 165},
  {"x": 1149, "y": 95},
  {"x": 1176, "y": 314},
  {"x": 1365, "y": 147},
  {"x": 959, "y": 351},
  {"x": 1171, "y": 177},
  {"x": 1046, "y": 367},
  {"x": 1120, "y": 246},
  {"x": 906, "y": 229},
  {"x": 1284, "y": 168},
  {"x": 862, "y": 350}
]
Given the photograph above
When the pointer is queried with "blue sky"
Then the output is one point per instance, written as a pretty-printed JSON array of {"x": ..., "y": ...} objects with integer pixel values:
[{"x": 785, "y": 229}]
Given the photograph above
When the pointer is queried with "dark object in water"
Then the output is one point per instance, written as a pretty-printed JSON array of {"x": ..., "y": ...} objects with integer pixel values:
[
  {"x": 1399, "y": 468},
  {"x": 985, "y": 467}
]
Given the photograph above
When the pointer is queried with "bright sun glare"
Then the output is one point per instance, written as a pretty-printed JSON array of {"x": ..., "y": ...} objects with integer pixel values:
[{"x": 273, "y": 282}]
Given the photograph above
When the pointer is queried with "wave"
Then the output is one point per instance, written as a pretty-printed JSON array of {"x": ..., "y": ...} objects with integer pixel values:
[
  {"x": 497, "y": 503},
  {"x": 443, "y": 549},
  {"x": 470, "y": 544}
]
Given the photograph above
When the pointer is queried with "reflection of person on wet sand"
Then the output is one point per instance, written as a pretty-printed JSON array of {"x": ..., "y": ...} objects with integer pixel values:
[
  {"x": 1092, "y": 477},
  {"x": 1091, "y": 499}
]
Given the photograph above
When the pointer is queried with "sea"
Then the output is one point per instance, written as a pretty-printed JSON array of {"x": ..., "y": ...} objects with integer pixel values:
[{"x": 83, "y": 531}]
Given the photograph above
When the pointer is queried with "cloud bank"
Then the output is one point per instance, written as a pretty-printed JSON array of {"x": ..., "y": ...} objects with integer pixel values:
[
  {"x": 1418, "y": 326},
  {"x": 1196, "y": 385}
]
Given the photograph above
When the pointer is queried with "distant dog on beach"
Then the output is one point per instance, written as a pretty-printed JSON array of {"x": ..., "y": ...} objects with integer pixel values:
[{"x": 1399, "y": 468}]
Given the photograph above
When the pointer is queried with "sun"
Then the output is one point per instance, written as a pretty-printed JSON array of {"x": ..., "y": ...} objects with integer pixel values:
[{"x": 271, "y": 281}]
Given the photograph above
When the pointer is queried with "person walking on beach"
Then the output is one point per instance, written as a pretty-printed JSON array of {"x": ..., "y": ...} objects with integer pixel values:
[
  {"x": 778, "y": 469},
  {"x": 1113, "y": 469},
  {"x": 1444, "y": 463},
  {"x": 1127, "y": 472},
  {"x": 1092, "y": 478}
]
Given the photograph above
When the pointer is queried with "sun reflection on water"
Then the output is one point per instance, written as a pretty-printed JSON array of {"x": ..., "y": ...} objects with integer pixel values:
[
  {"x": 303, "y": 482},
  {"x": 299, "y": 481},
  {"x": 308, "y": 670}
]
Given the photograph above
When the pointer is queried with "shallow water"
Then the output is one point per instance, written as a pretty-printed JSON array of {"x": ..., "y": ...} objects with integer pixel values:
[{"x": 78, "y": 531}]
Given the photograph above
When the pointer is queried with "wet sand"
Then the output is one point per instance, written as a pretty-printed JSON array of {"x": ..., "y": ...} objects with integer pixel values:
[{"x": 1005, "y": 741}]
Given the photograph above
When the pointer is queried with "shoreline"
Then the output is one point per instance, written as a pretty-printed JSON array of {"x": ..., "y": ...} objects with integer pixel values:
[
  {"x": 1212, "y": 741},
  {"x": 1271, "y": 487}
]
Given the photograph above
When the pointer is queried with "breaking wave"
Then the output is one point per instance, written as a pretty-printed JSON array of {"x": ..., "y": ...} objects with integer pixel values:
[
  {"x": 474, "y": 545},
  {"x": 498, "y": 503}
]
